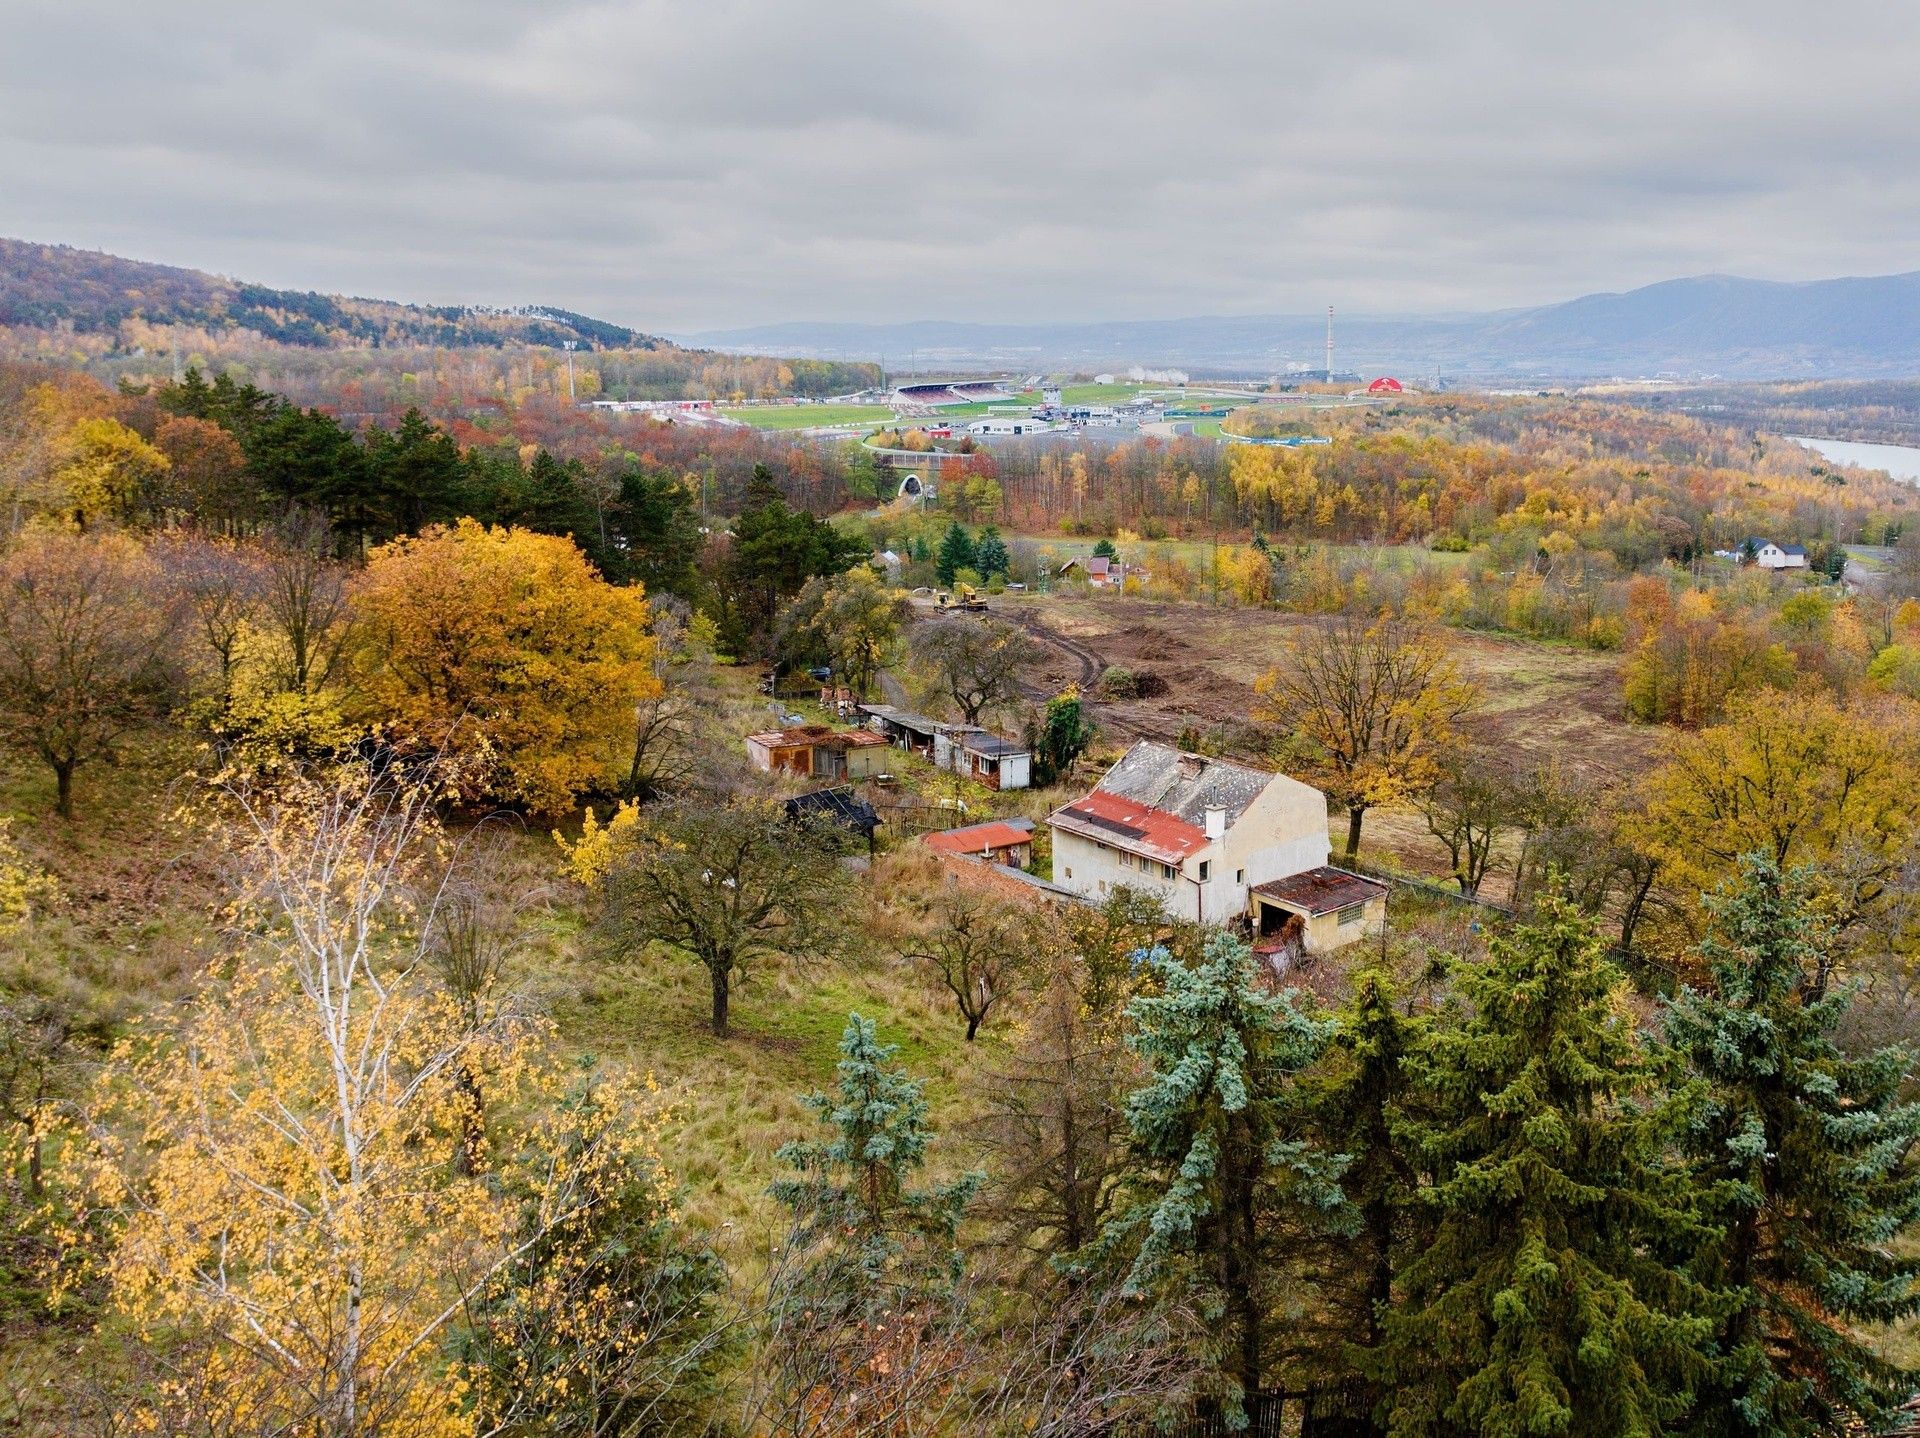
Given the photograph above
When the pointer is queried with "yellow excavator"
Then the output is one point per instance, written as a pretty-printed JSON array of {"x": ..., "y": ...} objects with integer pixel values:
[{"x": 964, "y": 596}]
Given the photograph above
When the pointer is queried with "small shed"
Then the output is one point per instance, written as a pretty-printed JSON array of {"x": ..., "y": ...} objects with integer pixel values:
[
  {"x": 912, "y": 732},
  {"x": 998, "y": 841},
  {"x": 1315, "y": 911},
  {"x": 838, "y": 807},
  {"x": 819, "y": 752},
  {"x": 997, "y": 762}
]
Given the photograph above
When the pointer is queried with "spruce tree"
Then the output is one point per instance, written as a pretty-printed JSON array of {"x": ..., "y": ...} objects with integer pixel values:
[
  {"x": 871, "y": 1238},
  {"x": 1802, "y": 1152},
  {"x": 956, "y": 554},
  {"x": 866, "y": 1317},
  {"x": 1541, "y": 1304},
  {"x": 1224, "y": 1172},
  {"x": 990, "y": 555},
  {"x": 1361, "y": 1105}
]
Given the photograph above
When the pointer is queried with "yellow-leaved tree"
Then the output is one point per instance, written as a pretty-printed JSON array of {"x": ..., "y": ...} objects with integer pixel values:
[
  {"x": 1367, "y": 706},
  {"x": 342, "y": 1194},
  {"x": 505, "y": 648},
  {"x": 1804, "y": 780},
  {"x": 103, "y": 468}
]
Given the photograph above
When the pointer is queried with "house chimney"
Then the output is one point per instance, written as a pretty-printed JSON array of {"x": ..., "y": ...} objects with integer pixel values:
[
  {"x": 1192, "y": 766},
  {"x": 1216, "y": 822}
]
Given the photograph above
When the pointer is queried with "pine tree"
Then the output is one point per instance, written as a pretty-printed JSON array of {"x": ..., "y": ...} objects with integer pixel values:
[
  {"x": 1224, "y": 1174},
  {"x": 874, "y": 1236},
  {"x": 1803, "y": 1153},
  {"x": 956, "y": 554},
  {"x": 990, "y": 555},
  {"x": 866, "y": 1316},
  {"x": 1540, "y": 1303},
  {"x": 1361, "y": 1105},
  {"x": 1104, "y": 550}
]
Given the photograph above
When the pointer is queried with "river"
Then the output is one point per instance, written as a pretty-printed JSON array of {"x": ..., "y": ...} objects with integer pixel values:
[{"x": 1902, "y": 461}]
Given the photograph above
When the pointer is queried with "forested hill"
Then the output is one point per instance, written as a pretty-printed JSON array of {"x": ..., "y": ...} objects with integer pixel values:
[{"x": 47, "y": 285}]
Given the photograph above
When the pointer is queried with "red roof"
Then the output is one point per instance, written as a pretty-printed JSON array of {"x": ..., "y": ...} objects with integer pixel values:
[
  {"x": 1124, "y": 823},
  {"x": 1386, "y": 384},
  {"x": 979, "y": 838}
]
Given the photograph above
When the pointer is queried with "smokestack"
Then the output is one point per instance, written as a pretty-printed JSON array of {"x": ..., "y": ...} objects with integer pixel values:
[
  {"x": 1192, "y": 766},
  {"x": 1216, "y": 822},
  {"x": 1329, "y": 344}
]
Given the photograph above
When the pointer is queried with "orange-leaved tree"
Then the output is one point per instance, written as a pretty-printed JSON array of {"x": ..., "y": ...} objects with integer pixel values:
[
  {"x": 1368, "y": 705},
  {"x": 505, "y": 648}
]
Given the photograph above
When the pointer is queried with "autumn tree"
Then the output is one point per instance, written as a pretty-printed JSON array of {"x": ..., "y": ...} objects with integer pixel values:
[
  {"x": 291, "y": 1205},
  {"x": 1054, "y": 1124},
  {"x": 849, "y": 622},
  {"x": 1805, "y": 782},
  {"x": 505, "y": 648},
  {"x": 104, "y": 469},
  {"x": 86, "y": 649},
  {"x": 973, "y": 663},
  {"x": 727, "y": 887},
  {"x": 1468, "y": 806},
  {"x": 222, "y": 585},
  {"x": 1370, "y": 705},
  {"x": 207, "y": 480},
  {"x": 982, "y": 946},
  {"x": 1802, "y": 1153}
]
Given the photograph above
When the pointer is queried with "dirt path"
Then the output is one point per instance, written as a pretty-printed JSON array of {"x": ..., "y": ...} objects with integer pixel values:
[{"x": 1091, "y": 664}]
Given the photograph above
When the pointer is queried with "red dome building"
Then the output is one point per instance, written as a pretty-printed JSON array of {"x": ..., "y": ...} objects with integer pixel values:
[{"x": 1386, "y": 384}]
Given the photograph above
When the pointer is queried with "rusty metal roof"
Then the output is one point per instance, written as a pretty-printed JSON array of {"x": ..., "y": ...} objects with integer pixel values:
[{"x": 1321, "y": 890}]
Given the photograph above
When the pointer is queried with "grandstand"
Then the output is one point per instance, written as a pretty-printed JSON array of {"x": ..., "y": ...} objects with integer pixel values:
[{"x": 926, "y": 396}]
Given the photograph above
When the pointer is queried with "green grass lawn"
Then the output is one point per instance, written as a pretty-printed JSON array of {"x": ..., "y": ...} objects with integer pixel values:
[{"x": 807, "y": 416}]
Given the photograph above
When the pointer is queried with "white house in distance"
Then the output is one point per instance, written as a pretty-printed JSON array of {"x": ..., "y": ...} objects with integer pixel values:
[
  {"x": 1769, "y": 555},
  {"x": 1219, "y": 842}
]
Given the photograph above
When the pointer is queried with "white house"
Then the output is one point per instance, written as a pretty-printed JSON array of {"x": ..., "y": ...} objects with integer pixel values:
[
  {"x": 1769, "y": 555},
  {"x": 1199, "y": 832}
]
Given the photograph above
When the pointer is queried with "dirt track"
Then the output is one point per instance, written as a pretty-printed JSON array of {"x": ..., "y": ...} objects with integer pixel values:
[{"x": 1537, "y": 699}]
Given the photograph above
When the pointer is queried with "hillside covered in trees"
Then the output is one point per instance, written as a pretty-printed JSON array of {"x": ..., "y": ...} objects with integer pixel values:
[
  {"x": 43, "y": 285},
  {"x": 127, "y": 319}
]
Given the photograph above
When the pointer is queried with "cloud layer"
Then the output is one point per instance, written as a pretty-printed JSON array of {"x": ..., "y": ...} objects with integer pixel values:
[{"x": 707, "y": 163}]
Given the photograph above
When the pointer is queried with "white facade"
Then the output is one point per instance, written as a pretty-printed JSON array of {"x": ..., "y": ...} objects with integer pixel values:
[
  {"x": 1282, "y": 830},
  {"x": 1773, "y": 556}
]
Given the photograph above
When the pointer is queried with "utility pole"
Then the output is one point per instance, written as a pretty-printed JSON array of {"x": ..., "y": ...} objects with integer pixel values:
[{"x": 571, "y": 343}]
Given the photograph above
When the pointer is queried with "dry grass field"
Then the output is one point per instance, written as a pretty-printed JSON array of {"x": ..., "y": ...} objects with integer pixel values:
[{"x": 1538, "y": 701}]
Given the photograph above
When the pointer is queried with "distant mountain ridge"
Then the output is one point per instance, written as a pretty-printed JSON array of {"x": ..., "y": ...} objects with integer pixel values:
[
  {"x": 1709, "y": 324},
  {"x": 43, "y": 286}
]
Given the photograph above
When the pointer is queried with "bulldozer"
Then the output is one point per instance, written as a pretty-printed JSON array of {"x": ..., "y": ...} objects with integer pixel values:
[{"x": 964, "y": 596}]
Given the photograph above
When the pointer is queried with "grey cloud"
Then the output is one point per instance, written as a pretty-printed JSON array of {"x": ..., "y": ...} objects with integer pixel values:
[{"x": 681, "y": 164}]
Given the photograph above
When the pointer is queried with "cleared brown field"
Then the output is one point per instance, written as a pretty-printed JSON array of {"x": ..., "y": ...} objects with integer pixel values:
[{"x": 1538, "y": 701}]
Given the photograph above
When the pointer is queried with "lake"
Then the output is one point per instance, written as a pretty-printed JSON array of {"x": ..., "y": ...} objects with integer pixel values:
[{"x": 1902, "y": 461}]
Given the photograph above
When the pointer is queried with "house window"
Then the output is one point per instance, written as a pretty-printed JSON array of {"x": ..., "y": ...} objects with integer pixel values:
[
  {"x": 1351, "y": 914},
  {"x": 1239, "y": 876},
  {"x": 1126, "y": 861},
  {"x": 1206, "y": 870},
  {"x": 1166, "y": 871},
  {"x": 1069, "y": 871}
]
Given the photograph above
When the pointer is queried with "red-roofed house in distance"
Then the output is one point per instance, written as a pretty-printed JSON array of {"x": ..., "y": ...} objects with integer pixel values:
[
  {"x": 998, "y": 841},
  {"x": 1386, "y": 384},
  {"x": 1197, "y": 831}
]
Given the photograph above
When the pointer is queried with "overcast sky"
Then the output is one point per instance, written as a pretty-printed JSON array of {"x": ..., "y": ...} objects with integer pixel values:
[{"x": 686, "y": 164}]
